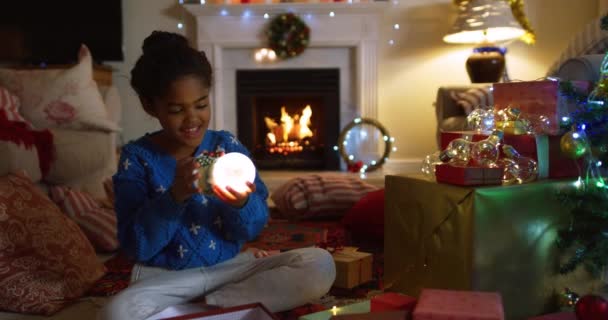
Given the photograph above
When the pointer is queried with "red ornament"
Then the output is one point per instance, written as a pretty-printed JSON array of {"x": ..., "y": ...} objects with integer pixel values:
[
  {"x": 591, "y": 307},
  {"x": 355, "y": 167}
]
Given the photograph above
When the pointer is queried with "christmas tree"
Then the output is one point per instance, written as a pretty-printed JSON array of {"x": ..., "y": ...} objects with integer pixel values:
[{"x": 585, "y": 239}]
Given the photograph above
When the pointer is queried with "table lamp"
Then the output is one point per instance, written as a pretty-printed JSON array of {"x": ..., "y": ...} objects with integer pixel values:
[{"x": 485, "y": 23}]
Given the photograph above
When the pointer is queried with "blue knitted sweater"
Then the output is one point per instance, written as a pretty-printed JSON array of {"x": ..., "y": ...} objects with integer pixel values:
[{"x": 202, "y": 231}]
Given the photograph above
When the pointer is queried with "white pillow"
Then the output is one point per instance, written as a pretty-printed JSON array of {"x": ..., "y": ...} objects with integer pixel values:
[
  {"x": 19, "y": 157},
  {"x": 60, "y": 98},
  {"x": 83, "y": 160}
]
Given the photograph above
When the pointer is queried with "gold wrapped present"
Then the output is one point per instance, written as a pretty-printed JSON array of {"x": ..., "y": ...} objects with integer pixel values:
[
  {"x": 352, "y": 267},
  {"x": 490, "y": 238}
]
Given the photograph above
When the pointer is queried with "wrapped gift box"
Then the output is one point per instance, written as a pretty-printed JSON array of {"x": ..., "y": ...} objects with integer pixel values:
[
  {"x": 494, "y": 238},
  {"x": 355, "y": 308},
  {"x": 555, "y": 164},
  {"x": 556, "y": 316},
  {"x": 392, "y": 301},
  {"x": 536, "y": 98},
  {"x": 468, "y": 176},
  {"x": 352, "y": 267},
  {"x": 245, "y": 312},
  {"x": 382, "y": 315},
  {"x": 437, "y": 304}
]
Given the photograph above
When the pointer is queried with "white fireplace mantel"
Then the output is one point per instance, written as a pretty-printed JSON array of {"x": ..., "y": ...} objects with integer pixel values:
[{"x": 353, "y": 25}]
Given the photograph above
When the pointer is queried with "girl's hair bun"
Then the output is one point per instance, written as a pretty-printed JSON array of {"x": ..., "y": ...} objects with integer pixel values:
[{"x": 162, "y": 41}]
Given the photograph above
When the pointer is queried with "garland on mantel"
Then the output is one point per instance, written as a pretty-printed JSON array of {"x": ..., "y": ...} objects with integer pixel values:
[{"x": 287, "y": 35}]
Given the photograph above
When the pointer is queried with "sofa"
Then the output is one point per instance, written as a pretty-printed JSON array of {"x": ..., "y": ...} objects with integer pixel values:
[
  {"x": 452, "y": 101},
  {"x": 57, "y": 227}
]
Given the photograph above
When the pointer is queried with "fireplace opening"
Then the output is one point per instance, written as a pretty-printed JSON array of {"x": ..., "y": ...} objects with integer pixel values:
[{"x": 289, "y": 118}]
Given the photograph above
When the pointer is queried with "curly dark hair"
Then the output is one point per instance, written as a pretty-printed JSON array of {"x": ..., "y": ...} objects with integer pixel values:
[{"x": 167, "y": 57}]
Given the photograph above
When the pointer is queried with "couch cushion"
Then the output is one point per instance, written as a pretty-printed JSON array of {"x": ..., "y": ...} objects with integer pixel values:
[
  {"x": 97, "y": 223},
  {"x": 83, "y": 160},
  {"x": 9, "y": 106},
  {"x": 46, "y": 262},
  {"x": 66, "y": 98},
  {"x": 319, "y": 195},
  {"x": 19, "y": 157}
]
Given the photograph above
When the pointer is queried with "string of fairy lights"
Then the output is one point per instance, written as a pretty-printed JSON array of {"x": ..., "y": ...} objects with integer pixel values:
[{"x": 249, "y": 13}]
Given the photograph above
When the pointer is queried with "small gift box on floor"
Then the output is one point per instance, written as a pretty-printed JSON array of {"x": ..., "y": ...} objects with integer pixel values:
[
  {"x": 249, "y": 311},
  {"x": 355, "y": 308},
  {"x": 438, "y": 304},
  {"x": 352, "y": 267},
  {"x": 537, "y": 98},
  {"x": 392, "y": 301},
  {"x": 468, "y": 176}
]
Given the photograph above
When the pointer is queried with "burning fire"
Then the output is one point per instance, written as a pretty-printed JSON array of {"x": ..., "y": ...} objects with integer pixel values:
[{"x": 287, "y": 137}]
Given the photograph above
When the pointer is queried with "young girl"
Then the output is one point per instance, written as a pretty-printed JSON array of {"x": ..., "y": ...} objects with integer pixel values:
[{"x": 187, "y": 244}]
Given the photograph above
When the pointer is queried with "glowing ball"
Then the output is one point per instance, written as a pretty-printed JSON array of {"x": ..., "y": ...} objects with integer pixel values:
[{"x": 234, "y": 170}]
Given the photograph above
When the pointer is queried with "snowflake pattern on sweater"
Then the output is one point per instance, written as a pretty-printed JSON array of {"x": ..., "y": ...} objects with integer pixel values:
[{"x": 202, "y": 231}]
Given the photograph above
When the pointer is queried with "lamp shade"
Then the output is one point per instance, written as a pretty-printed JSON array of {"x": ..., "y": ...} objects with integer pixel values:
[{"x": 484, "y": 21}]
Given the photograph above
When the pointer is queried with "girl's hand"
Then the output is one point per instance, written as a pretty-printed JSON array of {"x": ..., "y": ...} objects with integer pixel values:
[
  {"x": 185, "y": 183},
  {"x": 233, "y": 197},
  {"x": 257, "y": 253}
]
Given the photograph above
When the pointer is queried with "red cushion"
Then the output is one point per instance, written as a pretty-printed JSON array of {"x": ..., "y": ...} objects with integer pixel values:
[
  {"x": 46, "y": 262},
  {"x": 366, "y": 218}
]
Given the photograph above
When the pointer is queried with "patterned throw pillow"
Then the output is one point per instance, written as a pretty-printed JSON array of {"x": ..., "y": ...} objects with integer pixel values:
[
  {"x": 97, "y": 223},
  {"x": 9, "y": 106},
  {"x": 65, "y": 98},
  {"x": 319, "y": 196},
  {"x": 472, "y": 98},
  {"x": 46, "y": 262}
]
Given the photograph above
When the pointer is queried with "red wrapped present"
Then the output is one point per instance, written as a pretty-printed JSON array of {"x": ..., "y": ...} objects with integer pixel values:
[
  {"x": 468, "y": 176},
  {"x": 556, "y": 316},
  {"x": 392, "y": 301},
  {"x": 438, "y": 304},
  {"x": 536, "y": 98},
  {"x": 552, "y": 163}
]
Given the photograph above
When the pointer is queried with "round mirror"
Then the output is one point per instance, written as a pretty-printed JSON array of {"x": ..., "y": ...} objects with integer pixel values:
[{"x": 364, "y": 144}]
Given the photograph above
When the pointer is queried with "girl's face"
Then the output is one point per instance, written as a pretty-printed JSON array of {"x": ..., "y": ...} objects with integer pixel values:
[{"x": 183, "y": 113}]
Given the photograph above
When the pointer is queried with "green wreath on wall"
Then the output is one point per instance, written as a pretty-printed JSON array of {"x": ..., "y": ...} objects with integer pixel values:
[{"x": 287, "y": 35}]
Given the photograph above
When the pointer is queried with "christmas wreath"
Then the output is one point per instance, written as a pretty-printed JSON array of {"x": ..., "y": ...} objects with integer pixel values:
[{"x": 287, "y": 35}]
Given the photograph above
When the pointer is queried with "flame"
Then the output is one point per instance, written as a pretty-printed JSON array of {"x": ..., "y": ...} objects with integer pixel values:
[{"x": 286, "y": 136}]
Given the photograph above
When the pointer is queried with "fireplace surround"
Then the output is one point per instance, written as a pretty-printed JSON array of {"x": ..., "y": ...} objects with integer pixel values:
[{"x": 346, "y": 40}]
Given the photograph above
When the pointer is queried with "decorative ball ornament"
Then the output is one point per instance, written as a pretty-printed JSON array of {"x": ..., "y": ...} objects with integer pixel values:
[
  {"x": 573, "y": 144},
  {"x": 287, "y": 35},
  {"x": 591, "y": 307},
  {"x": 358, "y": 145},
  {"x": 568, "y": 299}
]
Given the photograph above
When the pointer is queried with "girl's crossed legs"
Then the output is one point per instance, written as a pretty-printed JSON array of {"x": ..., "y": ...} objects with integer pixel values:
[{"x": 280, "y": 282}]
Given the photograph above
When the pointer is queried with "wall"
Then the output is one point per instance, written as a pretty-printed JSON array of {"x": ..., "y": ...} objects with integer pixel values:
[{"x": 410, "y": 71}]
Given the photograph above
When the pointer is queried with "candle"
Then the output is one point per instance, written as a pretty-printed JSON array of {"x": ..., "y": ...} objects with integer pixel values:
[{"x": 231, "y": 169}]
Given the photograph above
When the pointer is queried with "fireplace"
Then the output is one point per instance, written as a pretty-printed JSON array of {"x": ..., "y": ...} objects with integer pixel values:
[{"x": 289, "y": 118}]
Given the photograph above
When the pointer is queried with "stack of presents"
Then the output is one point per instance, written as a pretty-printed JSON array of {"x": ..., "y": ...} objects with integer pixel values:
[{"x": 530, "y": 116}]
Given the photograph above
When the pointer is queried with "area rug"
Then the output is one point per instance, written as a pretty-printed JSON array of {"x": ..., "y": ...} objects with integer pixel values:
[{"x": 278, "y": 235}]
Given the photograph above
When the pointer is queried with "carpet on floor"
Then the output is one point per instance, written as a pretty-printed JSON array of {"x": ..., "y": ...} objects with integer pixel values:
[{"x": 278, "y": 235}]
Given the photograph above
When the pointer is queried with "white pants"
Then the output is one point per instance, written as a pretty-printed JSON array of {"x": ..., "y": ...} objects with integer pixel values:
[{"x": 280, "y": 282}]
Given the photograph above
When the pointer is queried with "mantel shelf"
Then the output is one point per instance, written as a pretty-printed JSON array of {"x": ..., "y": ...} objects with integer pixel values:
[{"x": 354, "y": 8}]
